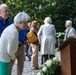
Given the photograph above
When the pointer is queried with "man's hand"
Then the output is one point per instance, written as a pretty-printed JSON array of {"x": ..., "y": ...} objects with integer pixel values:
[{"x": 20, "y": 44}]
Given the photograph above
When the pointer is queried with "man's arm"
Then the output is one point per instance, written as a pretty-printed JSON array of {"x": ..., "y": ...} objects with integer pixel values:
[{"x": 12, "y": 46}]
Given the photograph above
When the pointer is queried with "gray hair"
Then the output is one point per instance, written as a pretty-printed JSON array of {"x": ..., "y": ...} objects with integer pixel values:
[
  {"x": 47, "y": 20},
  {"x": 69, "y": 23},
  {"x": 20, "y": 17},
  {"x": 3, "y": 6}
]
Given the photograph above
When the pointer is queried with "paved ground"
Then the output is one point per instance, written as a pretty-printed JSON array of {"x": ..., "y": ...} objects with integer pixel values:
[{"x": 27, "y": 66}]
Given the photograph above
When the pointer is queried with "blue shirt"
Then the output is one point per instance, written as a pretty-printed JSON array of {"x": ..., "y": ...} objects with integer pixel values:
[
  {"x": 22, "y": 35},
  {"x": 4, "y": 24}
]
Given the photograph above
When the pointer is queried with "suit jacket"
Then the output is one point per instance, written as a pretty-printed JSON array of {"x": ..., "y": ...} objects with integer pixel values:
[{"x": 69, "y": 32}]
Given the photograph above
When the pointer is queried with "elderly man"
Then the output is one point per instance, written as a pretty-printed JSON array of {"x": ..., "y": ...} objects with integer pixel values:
[
  {"x": 70, "y": 31},
  {"x": 20, "y": 54},
  {"x": 9, "y": 42},
  {"x": 4, "y": 21}
]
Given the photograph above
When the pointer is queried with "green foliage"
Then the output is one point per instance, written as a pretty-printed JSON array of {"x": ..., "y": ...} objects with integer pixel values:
[
  {"x": 60, "y": 35},
  {"x": 59, "y": 38},
  {"x": 51, "y": 67},
  {"x": 58, "y": 10}
]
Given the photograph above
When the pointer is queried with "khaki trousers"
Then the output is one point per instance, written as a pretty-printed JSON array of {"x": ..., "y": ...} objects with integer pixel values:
[
  {"x": 20, "y": 55},
  {"x": 34, "y": 57}
]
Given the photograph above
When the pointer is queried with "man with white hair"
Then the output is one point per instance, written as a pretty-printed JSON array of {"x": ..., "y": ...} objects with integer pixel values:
[
  {"x": 4, "y": 21},
  {"x": 20, "y": 54},
  {"x": 9, "y": 42},
  {"x": 70, "y": 31},
  {"x": 47, "y": 38}
]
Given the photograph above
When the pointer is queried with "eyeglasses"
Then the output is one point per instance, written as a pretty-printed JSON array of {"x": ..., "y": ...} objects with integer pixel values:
[{"x": 5, "y": 10}]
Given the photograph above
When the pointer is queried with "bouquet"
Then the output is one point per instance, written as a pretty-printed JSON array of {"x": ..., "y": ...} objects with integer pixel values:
[{"x": 51, "y": 67}]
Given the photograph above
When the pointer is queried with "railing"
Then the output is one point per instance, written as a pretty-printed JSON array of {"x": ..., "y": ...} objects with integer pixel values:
[{"x": 59, "y": 40}]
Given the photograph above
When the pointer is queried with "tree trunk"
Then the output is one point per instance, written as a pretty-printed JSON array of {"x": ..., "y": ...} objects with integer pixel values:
[{"x": 4, "y": 1}]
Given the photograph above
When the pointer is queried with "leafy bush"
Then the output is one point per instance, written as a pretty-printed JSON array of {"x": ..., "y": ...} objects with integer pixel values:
[
  {"x": 51, "y": 67},
  {"x": 60, "y": 35},
  {"x": 39, "y": 9},
  {"x": 59, "y": 38}
]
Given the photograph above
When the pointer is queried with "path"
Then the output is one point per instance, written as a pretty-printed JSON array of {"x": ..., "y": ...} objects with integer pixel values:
[{"x": 27, "y": 66}]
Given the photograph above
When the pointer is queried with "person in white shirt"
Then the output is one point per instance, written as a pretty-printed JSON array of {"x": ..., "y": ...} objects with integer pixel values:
[
  {"x": 9, "y": 42},
  {"x": 47, "y": 39},
  {"x": 70, "y": 31}
]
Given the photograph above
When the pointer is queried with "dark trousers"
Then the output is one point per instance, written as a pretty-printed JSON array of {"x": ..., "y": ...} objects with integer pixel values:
[{"x": 46, "y": 57}]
